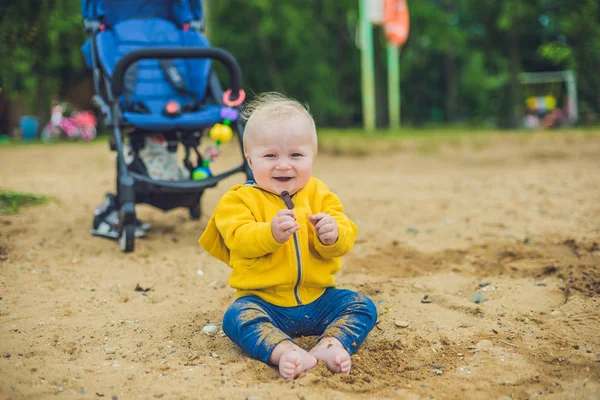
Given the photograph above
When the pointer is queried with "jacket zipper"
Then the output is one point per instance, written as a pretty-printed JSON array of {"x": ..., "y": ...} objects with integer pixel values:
[
  {"x": 299, "y": 265},
  {"x": 287, "y": 200}
]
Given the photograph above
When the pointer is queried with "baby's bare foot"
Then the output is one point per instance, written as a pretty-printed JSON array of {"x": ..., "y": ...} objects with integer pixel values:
[
  {"x": 333, "y": 354},
  {"x": 292, "y": 360}
]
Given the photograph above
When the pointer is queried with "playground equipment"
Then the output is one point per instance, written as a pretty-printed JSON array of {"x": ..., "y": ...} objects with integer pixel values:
[
  {"x": 549, "y": 97},
  {"x": 394, "y": 17}
]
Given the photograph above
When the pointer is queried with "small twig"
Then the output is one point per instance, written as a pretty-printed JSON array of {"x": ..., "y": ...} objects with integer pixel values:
[{"x": 510, "y": 344}]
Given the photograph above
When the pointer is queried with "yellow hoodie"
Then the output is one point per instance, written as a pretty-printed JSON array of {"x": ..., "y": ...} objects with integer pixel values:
[{"x": 285, "y": 274}]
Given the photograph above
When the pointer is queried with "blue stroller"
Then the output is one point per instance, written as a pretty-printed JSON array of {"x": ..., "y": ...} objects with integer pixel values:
[{"x": 152, "y": 75}]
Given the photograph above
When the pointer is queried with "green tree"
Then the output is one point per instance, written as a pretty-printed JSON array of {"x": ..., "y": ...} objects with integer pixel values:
[
  {"x": 302, "y": 48},
  {"x": 39, "y": 49},
  {"x": 573, "y": 42},
  {"x": 461, "y": 60}
]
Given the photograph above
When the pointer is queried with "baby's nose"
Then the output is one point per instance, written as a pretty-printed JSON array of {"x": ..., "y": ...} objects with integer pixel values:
[{"x": 284, "y": 164}]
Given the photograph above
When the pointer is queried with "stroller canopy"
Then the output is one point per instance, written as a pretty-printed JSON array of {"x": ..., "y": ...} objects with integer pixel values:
[{"x": 112, "y": 11}]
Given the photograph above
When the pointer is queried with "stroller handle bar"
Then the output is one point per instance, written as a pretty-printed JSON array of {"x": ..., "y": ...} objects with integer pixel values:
[{"x": 224, "y": 57}]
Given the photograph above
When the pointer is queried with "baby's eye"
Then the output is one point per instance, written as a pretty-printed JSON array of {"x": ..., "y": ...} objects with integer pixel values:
[
  {"x": 296, "y": 155},
  {"x": 269, "y": 155}
]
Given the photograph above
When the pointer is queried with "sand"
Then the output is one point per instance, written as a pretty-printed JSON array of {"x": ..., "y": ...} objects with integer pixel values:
[{"x": 513, "y": 218}]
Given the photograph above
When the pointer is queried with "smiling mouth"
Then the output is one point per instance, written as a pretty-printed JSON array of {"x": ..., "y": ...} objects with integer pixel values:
[{"x": 282, "y": 178}]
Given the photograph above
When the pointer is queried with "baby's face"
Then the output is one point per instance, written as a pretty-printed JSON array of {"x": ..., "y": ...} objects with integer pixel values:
[{"x": 281, "y": 154}]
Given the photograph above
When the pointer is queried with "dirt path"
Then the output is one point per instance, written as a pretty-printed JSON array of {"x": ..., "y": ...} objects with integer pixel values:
[{"x": 516, "y": 220}]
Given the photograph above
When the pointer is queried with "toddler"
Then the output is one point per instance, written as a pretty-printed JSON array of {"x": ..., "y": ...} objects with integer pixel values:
[{"x": 283, "y": 235}]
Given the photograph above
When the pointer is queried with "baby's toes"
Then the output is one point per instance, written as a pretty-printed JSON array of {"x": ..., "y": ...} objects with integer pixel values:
[
  {"x": 287, "y": 370},
  {"x": 344, "y": 363},
  {"x": 345, "y": 367}
]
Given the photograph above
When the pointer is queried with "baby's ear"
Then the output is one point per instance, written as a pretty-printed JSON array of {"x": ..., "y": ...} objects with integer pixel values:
[{"x": 248, "y": 159}]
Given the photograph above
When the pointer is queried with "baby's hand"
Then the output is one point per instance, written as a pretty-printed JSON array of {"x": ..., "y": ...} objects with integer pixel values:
[
  {"x": 326, "y": 228},
  {"x": 284, "y": 225}
]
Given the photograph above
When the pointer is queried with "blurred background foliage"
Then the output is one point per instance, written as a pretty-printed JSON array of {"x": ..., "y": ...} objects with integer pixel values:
[{"x": 460, "y": 63}]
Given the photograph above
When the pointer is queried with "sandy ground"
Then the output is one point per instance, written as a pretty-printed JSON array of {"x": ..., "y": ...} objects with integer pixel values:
[{"x": 514, "y": 218}]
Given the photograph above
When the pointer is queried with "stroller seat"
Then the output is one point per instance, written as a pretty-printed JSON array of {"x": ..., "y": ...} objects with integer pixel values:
[{"x": 147, "y": 87}]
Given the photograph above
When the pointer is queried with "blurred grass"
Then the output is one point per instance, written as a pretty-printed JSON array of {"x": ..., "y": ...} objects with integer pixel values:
[
  {"x": 355, "y": 142},
  {"x": 11, "y": 201},
  {"x": 358, "y": 143}
]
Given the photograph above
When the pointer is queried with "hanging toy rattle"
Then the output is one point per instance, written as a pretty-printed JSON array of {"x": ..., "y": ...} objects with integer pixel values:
[{"x": 220, "y": 133}]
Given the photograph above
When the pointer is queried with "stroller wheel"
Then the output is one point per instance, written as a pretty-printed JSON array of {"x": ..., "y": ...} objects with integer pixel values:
[
  {"x": 195, "y": 212},
  {"x": 127, "y": 238}
]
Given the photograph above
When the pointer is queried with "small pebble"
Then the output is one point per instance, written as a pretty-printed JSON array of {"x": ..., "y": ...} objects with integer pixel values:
[
  {"x": 478, "y": 298},
  {"x": 401, "y": 324},
  {"x": 438, "y": 371},
  {"x": 110, "y": 350},
  {"x": 484, "y": 284},
  {"x": 200, "y": 272},
  {"x": 541, "y": 284},
  {"x": 426, "y": 299},
  {"x": 412, "y": 230},
  {"x": 464, "y": 370},
  {"x": 210, "y": 329},
  {"x": 484, "y": 344},
  {"x": 437, "y": 366}
]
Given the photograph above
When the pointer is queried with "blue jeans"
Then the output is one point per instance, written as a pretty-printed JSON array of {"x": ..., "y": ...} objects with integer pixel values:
[{"x": 258, "y": 327}]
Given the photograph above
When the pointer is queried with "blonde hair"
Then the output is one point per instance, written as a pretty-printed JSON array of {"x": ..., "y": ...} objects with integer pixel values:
[{"x": 273, "y": 107}]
